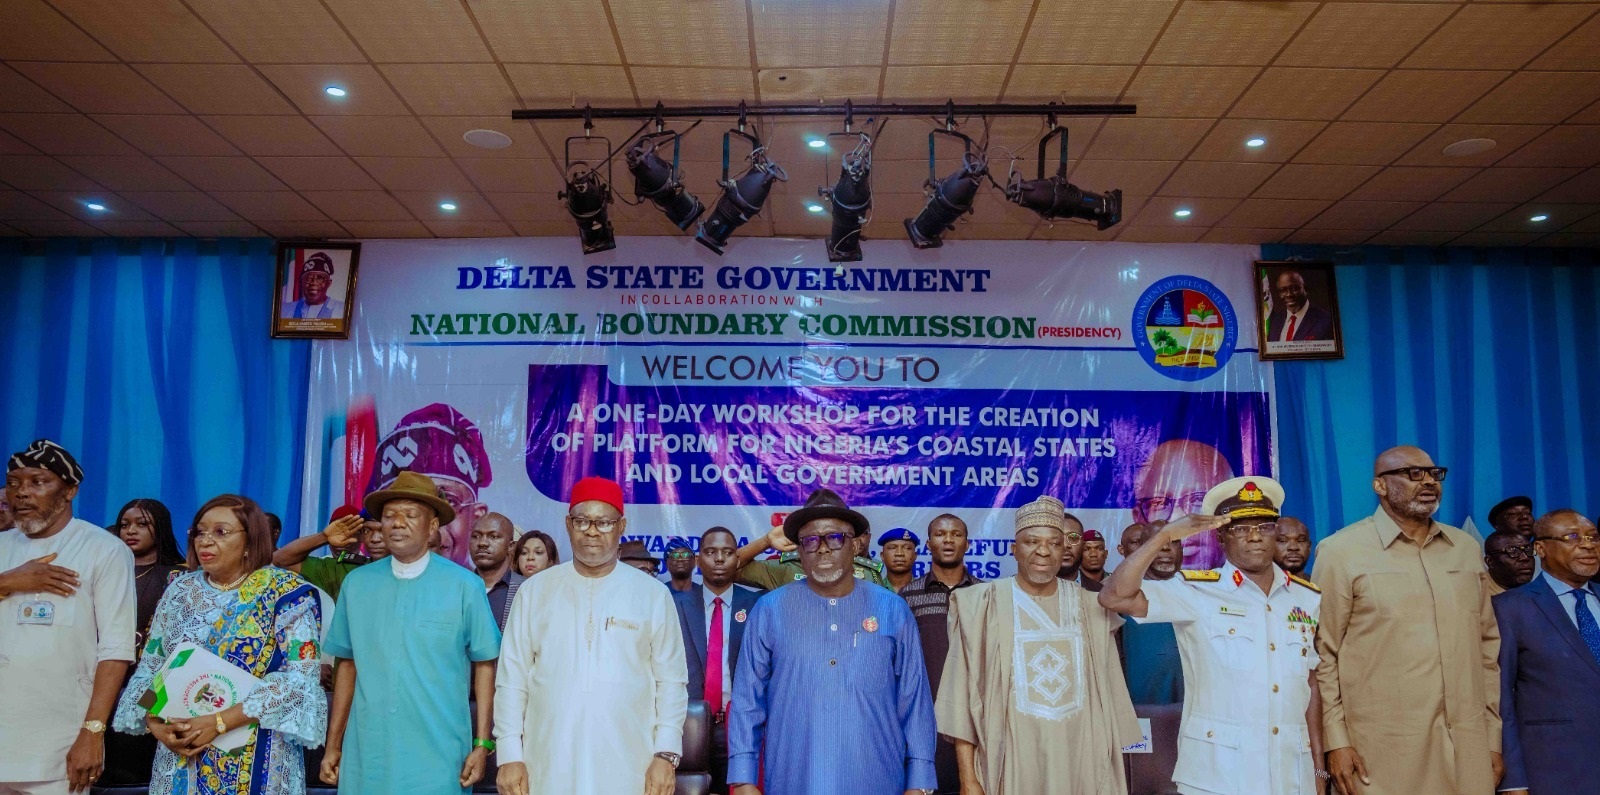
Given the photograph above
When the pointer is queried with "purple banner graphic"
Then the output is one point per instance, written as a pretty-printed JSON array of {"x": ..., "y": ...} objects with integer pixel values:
[{"x": 671, "y": 444}]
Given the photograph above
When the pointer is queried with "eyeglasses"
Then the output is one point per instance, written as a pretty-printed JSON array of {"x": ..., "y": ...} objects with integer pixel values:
[
  {"x": 1416, "y": 473},
  {"x": 835, "y": 541},
  {"x": 1160, "y": 509},
  {"x": 1073, "y": 538},
  {"x": 1572, "y": 538},
  {"x": 1516, "y": 553},
  {"x": 680, "y": 554},
  {"x": 583, "y": 523},
  {"x": 216, "y": 536},
  {"x": 1266, "y": 529}
]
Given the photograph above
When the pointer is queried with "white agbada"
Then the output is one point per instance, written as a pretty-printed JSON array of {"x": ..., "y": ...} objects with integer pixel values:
[{"x": 591, "y": 683}]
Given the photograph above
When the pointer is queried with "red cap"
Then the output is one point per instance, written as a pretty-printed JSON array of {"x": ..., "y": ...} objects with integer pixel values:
[
  {"x": 343, "y": 511},
  {"x": 605, "y": 490},
  {"x": 1092, "y": 535}
]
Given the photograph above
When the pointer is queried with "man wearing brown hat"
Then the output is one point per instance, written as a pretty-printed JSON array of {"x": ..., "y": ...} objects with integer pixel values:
[
  {"x": 1032, "y": 693},
  {"x": 770, "y": 574},
  {"x": 409, "y": 636},
  {"x": 66, "y": 629},
  {"x": 831, "y": 694}
]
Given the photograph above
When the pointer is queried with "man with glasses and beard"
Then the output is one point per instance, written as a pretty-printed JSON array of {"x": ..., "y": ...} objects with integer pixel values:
[
  {"x": 67, "y": 613},
  {"x": 830, "y": 664},
  {"x": 1508, "y": 557},
  {"x": 1247, "y": 633},
  {"x": 712, "y": 616},
  {"x": 591, "y": 691},
  {"x": 1408, "y": 645}
]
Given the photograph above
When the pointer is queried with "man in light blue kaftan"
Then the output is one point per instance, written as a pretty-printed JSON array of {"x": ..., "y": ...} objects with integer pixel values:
[{"x": 828, "y": 663}]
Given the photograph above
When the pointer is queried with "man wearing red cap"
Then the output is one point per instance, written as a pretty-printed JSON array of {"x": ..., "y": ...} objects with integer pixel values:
[{"x": 591, "y": 692}]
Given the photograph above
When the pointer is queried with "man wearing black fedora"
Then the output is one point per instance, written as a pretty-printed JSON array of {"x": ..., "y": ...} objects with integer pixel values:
[
  {"x": 770, "y": 574},
  {"x": 827, "y": 657}
]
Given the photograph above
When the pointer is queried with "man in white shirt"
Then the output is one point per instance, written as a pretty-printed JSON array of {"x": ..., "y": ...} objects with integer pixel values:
[
  {"x": 590, "y": 695},
  {"x": 712, "y": 615},
  {"x": 66, "y": 629}
]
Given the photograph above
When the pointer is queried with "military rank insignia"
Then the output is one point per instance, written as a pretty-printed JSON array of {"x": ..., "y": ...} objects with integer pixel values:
[{"x": 1302, "y": 621}]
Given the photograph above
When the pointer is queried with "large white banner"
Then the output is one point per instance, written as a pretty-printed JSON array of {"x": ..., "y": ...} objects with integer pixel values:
[{"x": 968, "y": 379}]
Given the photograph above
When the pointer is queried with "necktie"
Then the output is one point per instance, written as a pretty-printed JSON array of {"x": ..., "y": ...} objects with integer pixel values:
[
  {"x": 1587, "y": 628},
  {"x": 1288, "y": 336},
  {"x": 714, "y": 658}
]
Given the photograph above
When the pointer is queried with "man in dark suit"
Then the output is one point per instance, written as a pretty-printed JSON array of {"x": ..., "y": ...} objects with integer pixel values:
[
  {"x": 712, "y": 616},
  {"x": 1293, "y": 317},
  {"x": 1550, "y": 664}
]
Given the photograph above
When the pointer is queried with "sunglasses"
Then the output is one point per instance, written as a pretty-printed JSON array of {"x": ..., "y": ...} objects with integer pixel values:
[{"x": 836, "y": 541}]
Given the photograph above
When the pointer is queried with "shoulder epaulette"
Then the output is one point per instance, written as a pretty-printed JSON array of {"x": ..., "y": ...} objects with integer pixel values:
[
  {"x": 1307, "y": 583},
  {"x": 789, "y": 557},
  {"x": 1200, "y": 575}
]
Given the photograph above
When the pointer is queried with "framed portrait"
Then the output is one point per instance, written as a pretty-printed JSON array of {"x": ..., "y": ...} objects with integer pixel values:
[
  {"x": 315, "y": 289},
  {"x": 1299, "y": 311}
]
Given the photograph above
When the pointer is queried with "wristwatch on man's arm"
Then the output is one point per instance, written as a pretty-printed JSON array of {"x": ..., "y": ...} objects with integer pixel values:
[{"x": 670, "y": 757}]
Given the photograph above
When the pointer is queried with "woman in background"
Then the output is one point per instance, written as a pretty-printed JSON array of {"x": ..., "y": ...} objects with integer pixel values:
[
  {"x": 260, "y": 618},
  {"x": 535, "y": 552}
]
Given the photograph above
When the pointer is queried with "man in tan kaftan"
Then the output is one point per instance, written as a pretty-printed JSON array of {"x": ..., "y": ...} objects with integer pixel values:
[
  {"x": 1032, "y": 694},
  {"x": 1409, "y": 646}
]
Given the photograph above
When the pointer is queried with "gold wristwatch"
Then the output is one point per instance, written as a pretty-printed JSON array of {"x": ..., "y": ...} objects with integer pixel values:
[
  {"x": 222, "y": 728},
  {"x": 94, "y": 726}
]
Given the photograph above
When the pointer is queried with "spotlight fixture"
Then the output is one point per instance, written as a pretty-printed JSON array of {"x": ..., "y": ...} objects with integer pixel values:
[
  {"x": 653, "y": 179},
  {"x": 743, "y": 197},
  {"x": 1054, "y": 197},
  {"x": 851, "y": 196},
  {"x": 587, "y": 195},
  {"x": 951, "y": 197}
]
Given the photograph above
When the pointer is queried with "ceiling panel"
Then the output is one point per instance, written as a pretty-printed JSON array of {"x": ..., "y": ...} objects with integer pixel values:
[
  {"x": 1363, "y": 143},
  {"x": 38, "y": 172},
  {"x": 1301, "y": 181},
  {"x": 229, "y": 89},
  {"x": 319, "y": 173},
  {"x": 190, "y": 205},
  {"x": 412, "y": 31},
  {"x": 279, "y": 31},
  {"x": 219, "y": 228},
  {"x": 944, "y": 31},
  {"x": 20, "y": 95},
  {"x": 820, "y": 32},
  {"x": 569, "y": 86},
  {"x": 62, "y": 228},
  {"x": 1190, "y": 91},
  {"x": 358, "y": 205},
  {"x": 448, "y": 130},
  {"x": 1411, "y": 184},
  {"x": 1579, "y": 50},
  {"x": 1442, "y": 217},
  {"x": 1095, "y": 32},
  {"x": 1328, "y": 237},
  {"x": 1198, "y": 179},
  {"x": 1582, "y": 188},
  {"x": 379, "y": 136},
  {"x": 1363, "y": 34},
  {"x": 366, "y": 91},
  {"x": 149, "y": 30},
  {"x": 1295, "y": 93},
  {"x": 1423, "y": 95},
  {"x": 1495, "y": 36},
  {"x": 12, "y": 145},
  {"x": 30, "y": 30},
  {"x": 99, "y": 87},
  {"x": 683, "y": 85},
  {"x": 1229, "y": 33},
  {"x": 1535, "y": 98},
  {"x": 462, "y": 89},
  {"x": 303, "y": 229},
  {"x": 563, "y": 31},
  {"x": 129, "y": 173},
  {"x": 469, "y": 228},
  {"x": 1040, "y": 83},
  {"x": 1430, "y": 151},
  {"x": 64, "y": 134},
  {"x": 700, "y": 33},
  {"x": 518, "y": 176},
  {"x": 1508, "y": 184},
  {"x": 379, "y": 230},
  {"x": 1280, "y": 140},
  {"x": 279, "y": 205},
  {"x": 1571, "y": 145},
  {"x": 1135, "y": 177},
  {"x": 1558, "y": 216},
  {"x": 274, "y": 136},
  {"x": 417, "y": 173},
  {"x": 168, "y": 135},
  {"x": 1227, "y": 236},
  {"x": 223, "y": 173},
  {"x": 975, "y": 83},
  {"x": 1159, "y": 210},
  {"x": 834, "y": 83},
  {"x": 1275, "y": 213},
  {"x": 1373, "y": 215},
  {"x": 528, "y": 206},
  {"x": 1134, "y": 138},
  {"x": 72, "y": 203}
]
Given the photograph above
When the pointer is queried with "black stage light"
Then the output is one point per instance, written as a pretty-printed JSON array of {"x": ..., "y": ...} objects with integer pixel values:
[
  {"x": 742, "y": 198},
  {"x": 1054, "y": 197},
  {"x": 950, "y": 198},
  {"x": 587, "y": 195},
  {"x": 653, "y": 179},
  {"x": 851, "y": 198}
]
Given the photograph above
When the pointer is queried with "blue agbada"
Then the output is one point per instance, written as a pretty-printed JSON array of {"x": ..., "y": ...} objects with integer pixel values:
[{"x": 831, "y": 674}]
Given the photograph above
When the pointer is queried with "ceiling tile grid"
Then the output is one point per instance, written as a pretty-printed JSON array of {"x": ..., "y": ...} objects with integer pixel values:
[{"x": 214, "y": 117}]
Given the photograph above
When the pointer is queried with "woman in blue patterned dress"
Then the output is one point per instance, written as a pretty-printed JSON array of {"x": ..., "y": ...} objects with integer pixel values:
[{"x": 261, "y": 618}]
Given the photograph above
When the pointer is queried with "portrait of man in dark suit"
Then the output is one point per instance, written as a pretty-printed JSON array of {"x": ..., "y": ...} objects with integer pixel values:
[
  {"x": 1294, "y": 318},
  {"x": 1300, "y": 313}
]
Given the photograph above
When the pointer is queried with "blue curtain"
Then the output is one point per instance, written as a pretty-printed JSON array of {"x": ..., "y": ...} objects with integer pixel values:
[
  {"x": 152, "y": 361},
  {"x": 1482, "y": 357}
]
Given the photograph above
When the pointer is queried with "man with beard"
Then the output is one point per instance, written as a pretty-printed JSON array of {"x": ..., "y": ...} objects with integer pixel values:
[
  {"x": 67, "y": 612},
  {"x": 712, "y": 617},
  {"x": 929, "y": 598},
  {"x": 438, "y": 441},
  {"x": 680, "y": 565},
  {"x": 1513, "y": 515},
  {"x": 1173, "y": 482},
  {"x": 1093, "y": 566},
  {"x": 413, "y": 639},
  {"x": 772, "y": 574},
  {"x": 1246, "y": 634},
  {"x": 490, "y": 542},
  {"x": 1072, "y": 555},
  {"x": 1408, "y": 645},
  {"x": 1508, "y": 557},
  {"x": 828, "y": 663},
  {"x": 898, "y": 549},
  {"x": 1294, "y": 546},
  {"x": 1031, "y": 694},
  {"x": 591, "y": 691},
  {"x": 316, "y": 276},
  {"x": 1150, "y": 658},
  {"x": 342, "y": 536},
  {"x": 1550, "y": 663}
]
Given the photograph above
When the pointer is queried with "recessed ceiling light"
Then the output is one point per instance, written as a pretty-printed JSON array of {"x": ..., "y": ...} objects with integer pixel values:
[
  {"x": 816, "y": 143},
  {"x": 448, "y": 207},
  {"x": 96, "y": 206},
  {"x": 1469, "y": 147},
  {"x": 1256, "y": 143},
  {"x": 334, "y": 91},
  {"x": 487, "y": 139},
  {"x": 816, "y": 208},
  {"x": 1539, "y": 217},
  {"x": 1183, "y": 213}
]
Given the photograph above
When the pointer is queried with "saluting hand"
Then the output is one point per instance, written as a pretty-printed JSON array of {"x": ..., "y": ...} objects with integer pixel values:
[
  {"x": 777, "y": 540},
  {"x": 344, "y": 531},
  {"x": 1193, "y": 524}
]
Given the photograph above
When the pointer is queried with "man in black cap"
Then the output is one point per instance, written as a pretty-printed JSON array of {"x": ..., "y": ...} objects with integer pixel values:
[
  {"x": 67, "y": 623},
  {"x": 316, "y": 276},
  {"x": 898, "y": 549},
  {"x": 1513, "y": 515},
  {"x": 634, "y": 553},
  {"x": 1509, "y": 558},
  {"x": 770, "y": 574}
]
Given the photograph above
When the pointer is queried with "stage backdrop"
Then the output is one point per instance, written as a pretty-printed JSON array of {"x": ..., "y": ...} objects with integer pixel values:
[{"x": 721, "y": 391}]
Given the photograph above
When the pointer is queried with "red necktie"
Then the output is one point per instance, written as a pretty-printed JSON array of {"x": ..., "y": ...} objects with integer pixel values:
[
  {"x": 714, "y": 658},
  {"x": 1289, "y": 337}
]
